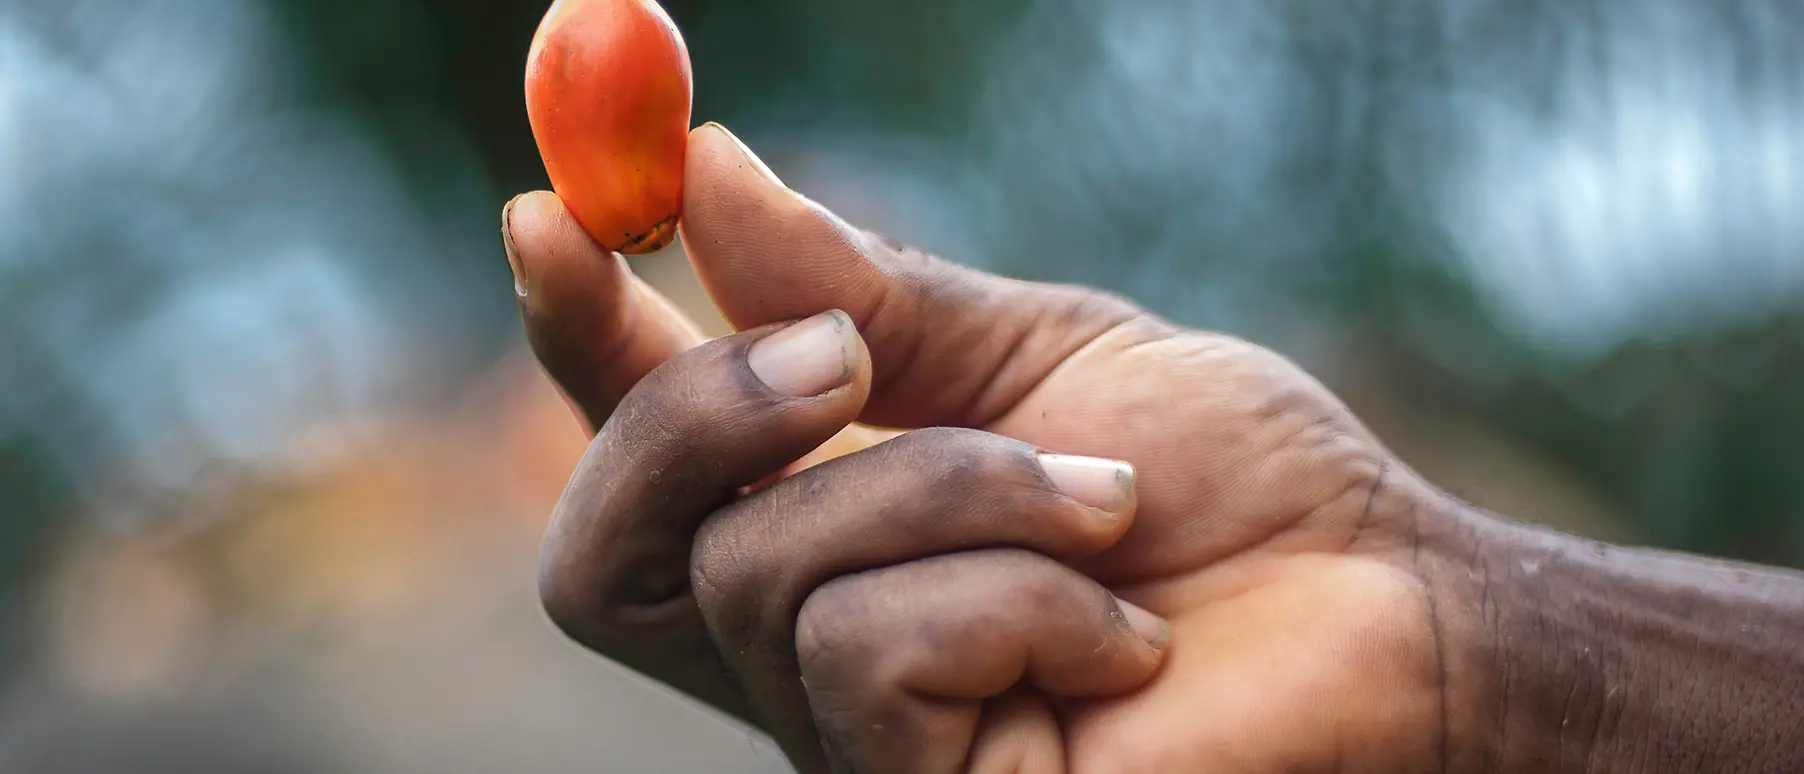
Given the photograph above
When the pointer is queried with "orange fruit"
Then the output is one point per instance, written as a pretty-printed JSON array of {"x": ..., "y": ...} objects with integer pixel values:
[{"x": 608, "y": 93}]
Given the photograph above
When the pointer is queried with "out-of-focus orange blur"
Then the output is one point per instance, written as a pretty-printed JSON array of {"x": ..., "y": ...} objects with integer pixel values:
[{"x": 366, "y": 601}]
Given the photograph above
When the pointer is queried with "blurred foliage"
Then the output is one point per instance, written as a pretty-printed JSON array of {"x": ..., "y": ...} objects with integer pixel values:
[{"x": 1570, "y": 220}]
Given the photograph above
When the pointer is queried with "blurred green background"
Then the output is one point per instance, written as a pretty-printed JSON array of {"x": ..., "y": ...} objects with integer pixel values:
[{"x": 273, "y": 461}]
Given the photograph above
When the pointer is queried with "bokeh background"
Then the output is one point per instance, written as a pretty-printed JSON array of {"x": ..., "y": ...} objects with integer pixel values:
[{"x": 273, "y": 459}]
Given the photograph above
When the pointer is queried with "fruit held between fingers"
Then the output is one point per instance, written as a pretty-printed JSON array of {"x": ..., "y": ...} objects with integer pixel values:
[{"x": 608, "y": 94}]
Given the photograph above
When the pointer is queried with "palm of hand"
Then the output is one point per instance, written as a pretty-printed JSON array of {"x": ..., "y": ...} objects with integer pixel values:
[{"x": 1302, "y": 641}]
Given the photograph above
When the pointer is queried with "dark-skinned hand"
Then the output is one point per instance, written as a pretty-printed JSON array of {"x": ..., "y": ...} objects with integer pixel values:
[{"x": 1103, "y": 543}]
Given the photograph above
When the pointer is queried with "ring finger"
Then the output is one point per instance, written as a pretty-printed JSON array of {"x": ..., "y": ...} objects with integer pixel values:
[
  {"x": 924, "y": 493},
  {"x": 903, "y": 664}
]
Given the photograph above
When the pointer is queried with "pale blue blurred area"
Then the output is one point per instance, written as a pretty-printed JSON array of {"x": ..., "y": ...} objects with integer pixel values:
[
  {"x": 196, "y": 251},
  {"x": 1600, "y": 176},
  {"x": 1658, "y": 194},
  {"x": 1550, "y": 248}
]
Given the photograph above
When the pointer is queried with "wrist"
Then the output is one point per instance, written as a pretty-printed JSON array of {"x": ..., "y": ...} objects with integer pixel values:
[
  {"x": 1528, "y": 668},
  {"x": 1564, "y": 654},
  {"x": 1454, "y": 546}
]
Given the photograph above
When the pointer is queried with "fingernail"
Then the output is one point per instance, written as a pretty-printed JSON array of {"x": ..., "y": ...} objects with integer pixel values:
[
  {"x": 1104, "y": 484},
  {"x": 1155, "y": 630},
  {"x": 507, "y": 243},
  {"x": 750, "y": 157},
  {"x": 809, "y": 357}
]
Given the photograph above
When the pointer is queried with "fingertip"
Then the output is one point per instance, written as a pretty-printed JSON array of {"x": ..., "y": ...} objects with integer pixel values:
[
  {"x": 764, "y": 252},
  {"x": 1152, "y": 629},
  {"x": 556, "y": 263},
  {"x": 531, "y": 235},
  {"x": 1102, "y": 484},
  {"x": 714, "y": 143},
  {"x": 594, "y": 326},
  {"x": 537, "y": 224},
  {"x": 811, "y": 357},
  {"x": 730, "y": 196}
]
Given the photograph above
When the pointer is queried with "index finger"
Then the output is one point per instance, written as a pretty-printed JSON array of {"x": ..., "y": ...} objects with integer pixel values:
[{"x": 595, "y": 326}]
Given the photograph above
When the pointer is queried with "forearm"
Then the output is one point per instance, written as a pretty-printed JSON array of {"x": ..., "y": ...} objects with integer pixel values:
[{"x": 1609, "y": 659}]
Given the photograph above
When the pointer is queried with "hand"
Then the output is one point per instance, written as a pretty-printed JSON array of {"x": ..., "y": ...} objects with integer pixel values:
[{"x": 884, "y": 604}]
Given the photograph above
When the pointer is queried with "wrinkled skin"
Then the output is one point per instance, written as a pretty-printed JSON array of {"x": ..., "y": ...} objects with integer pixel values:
[{"x": 1269, "y": 528}]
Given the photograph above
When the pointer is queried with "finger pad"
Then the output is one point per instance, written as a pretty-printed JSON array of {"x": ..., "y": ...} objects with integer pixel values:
[{"x": 560, "y": 260}]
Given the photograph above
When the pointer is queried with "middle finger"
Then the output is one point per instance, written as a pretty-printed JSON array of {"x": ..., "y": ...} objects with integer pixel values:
[
  {"x": 615, "y": 559},
  {"x": 924, "y": 493}
]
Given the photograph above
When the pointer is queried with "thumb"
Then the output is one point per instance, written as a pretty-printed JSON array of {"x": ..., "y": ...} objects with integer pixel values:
[{"x": 949, "y": 345}]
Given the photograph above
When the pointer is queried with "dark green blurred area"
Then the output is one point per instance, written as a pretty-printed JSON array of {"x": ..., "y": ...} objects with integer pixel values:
[{"x": 1573, "y": 223}]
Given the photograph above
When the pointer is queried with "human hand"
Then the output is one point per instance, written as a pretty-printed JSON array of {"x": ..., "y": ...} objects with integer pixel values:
[{"x": 885, "y": 603}]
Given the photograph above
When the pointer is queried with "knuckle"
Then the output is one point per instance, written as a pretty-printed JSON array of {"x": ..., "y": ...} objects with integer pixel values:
[
  {"x": 714, "y": 571},
  {"x": 929, "y": 441},
  {"x": 727, "y": 581},
  {"x": 563, "y": 603},
  {"x": 823, "y": 625},
  {"x": 961, "y": 458},
  {"x": 837, "y": 634},
  {"x": 566, "y": 596},
  {"x": 613, "y": 600}
]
